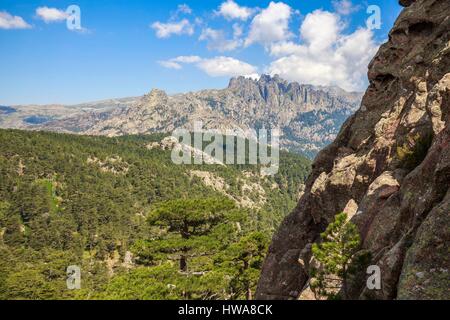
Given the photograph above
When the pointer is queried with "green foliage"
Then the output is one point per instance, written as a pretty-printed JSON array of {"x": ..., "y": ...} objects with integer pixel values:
[
  {"x": 189, "y": 226},
  {"x": 205, "y": 232},
  {"x": 334, "y": 255},
  {"x": 143, "y": 284},
  {"x": 76, "y": 200},
  {"x": 229, "y": 272},
  {"x": 413, "y": 152},
  {"x": 243, "y": 261},
  {"x": 189, "y": 216},
  {"x": 30, "y": 275}
]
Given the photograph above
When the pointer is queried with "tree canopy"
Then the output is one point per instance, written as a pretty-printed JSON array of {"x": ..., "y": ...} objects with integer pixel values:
[
  {"x": 119, "y": 210},
  {"x": 334, "y": 257}
]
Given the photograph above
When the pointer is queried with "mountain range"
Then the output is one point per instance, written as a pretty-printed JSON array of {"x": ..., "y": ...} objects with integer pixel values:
[{"x": 309, "y": 117}]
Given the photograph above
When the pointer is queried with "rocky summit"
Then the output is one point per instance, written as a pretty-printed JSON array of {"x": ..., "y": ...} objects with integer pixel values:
[
  {"x": 309, "y": 116},
  {"x": 389, "y": 169}
]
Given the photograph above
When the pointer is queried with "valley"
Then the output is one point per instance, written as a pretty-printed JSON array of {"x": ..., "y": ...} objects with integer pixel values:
[{"x": 86, "y": 201}]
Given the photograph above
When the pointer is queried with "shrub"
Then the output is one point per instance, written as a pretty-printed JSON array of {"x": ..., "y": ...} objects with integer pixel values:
[{"x": 412, "y": 153}]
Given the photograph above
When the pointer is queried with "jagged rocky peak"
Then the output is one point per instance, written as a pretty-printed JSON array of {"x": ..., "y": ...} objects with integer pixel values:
[
  {"x": 156, "y": 95},
  {"x": 239, "y": 82},
  {"x": 266, "y": 89},
  {"x": 389, "y": 169},
  {"x": 275, "y": 90},
  {"x": 264, "y": 81}
]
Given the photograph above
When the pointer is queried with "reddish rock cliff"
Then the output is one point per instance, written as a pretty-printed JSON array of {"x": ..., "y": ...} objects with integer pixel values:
[{"x": 389, "y": 167}]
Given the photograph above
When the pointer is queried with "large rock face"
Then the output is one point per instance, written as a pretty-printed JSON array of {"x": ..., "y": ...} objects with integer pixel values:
[{"x": 390, "y": 166}]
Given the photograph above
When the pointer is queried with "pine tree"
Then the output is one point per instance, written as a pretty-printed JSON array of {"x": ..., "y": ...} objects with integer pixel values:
[
  {"x": 334, "y": 256},
  {"x": 188, "y": 223},
  {"x": 243, "y": 262}
]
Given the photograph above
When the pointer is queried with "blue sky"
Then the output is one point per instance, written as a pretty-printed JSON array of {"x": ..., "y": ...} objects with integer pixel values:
[{"x": 127, "y": 47}]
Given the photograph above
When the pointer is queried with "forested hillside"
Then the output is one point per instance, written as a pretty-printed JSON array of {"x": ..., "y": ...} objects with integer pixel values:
[{"x": 138, "y": 226}]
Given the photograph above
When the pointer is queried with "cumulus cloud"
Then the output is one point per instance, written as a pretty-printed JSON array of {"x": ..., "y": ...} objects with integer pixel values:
[
  {"x": 217, "y": 40},
  {"x": 50, "y": 15},
  {"x": 320, "y": 30},
  {"x": 230, "y": 10},
  {"x": 345, "y": 7},
  {"x": 226, "y": 67},
  {"x": 214, "y": 67},
  {"x": 166, "y": 30},
  {"x": 286, "y": 48},
  {"x": 327, "y": 56},
  {"x": 8, "y": 21},
  {"x": 271, "y": 25}
]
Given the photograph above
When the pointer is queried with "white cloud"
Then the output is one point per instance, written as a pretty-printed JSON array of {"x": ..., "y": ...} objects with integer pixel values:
[
  {"x": 184, "y": 8},
  {"x": 169, "y": 64},
  {"x": 320, "y": 30},
  {"x": 175, "y": 63},
  {"x": 285, "y": 48},
  {"x": 50, "y": 15},
  {"x": 226, "y": 67},
  {"x": 210, "y": 34},
  {"x": 345, "y": 7},
  {"x": 327, "y": 56},
  {"x": 8, "y": 21},
  {"x": 231, "y": 10},
  {"x": 217, "y": 40},
  {"x": 187, "y": 59},
  {"x": 238, "y": 31},
  {"x": 271, "y": 25},
  {"x": 357, "y": 50},
  {"x": 214, "y": 67},
  {"x": 165, "y": 30}
]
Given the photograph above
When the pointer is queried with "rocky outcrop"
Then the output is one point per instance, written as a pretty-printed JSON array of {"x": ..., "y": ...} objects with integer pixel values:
[{"x": 391, "y": 165}]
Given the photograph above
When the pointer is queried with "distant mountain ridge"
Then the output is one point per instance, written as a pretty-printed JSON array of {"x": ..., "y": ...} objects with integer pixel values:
[
  {"x": 18, "y": 116},
  {"x": 309, "y": 116}
]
